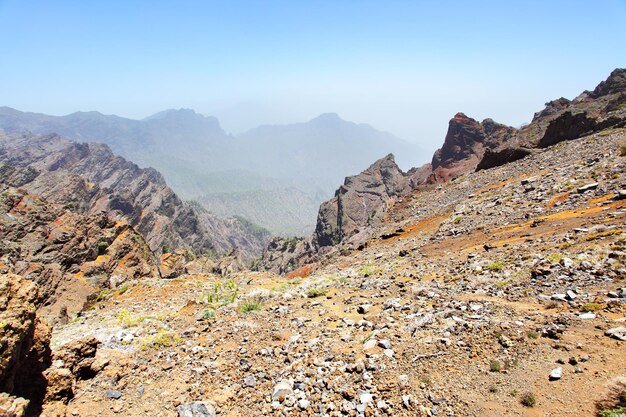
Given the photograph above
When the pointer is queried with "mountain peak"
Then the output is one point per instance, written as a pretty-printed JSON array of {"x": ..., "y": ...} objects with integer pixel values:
[
  {"x": 327, "y": 118},
  {"x": 173, "y": 113},
  {"x": 615, "y": 83}
]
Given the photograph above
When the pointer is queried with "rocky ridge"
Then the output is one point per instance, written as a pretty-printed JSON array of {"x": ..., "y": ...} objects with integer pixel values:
[{"x": 90, "y": 178}]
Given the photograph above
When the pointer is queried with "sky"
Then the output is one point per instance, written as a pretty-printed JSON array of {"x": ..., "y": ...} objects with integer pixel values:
[{"x": 401, "y": 66}]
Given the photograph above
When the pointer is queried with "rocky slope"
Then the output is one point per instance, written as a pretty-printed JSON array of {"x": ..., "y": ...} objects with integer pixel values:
[
  {"x": 501, "y": 292},
  {"x": 89, "y": 178},
  {"x": 469, "y": 145}
]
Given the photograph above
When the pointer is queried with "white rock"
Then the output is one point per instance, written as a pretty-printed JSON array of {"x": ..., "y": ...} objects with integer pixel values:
[
  {"x": 366, "y": 397},
  {"x": 281, "y": 391},
  {"x": 370, "y": 344},
  {"x": 556, "y": 374}
]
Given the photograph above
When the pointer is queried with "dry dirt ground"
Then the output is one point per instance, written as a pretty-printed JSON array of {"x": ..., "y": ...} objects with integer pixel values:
[{"x": 477, "y": 290}]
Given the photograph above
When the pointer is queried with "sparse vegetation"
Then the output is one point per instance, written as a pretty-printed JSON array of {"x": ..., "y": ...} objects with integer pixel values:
[
  {"x": 161, "y": 339},
  {"x": 528, "y": 399},
  {"x": 316, "y": 292},
  {"x": 221, "y": 293},
  {"x": 495, "y": 366},
  {"x": 555, "y": 258},
  {"x": 532, "y": 335},
  {"x": 599, "y": 235},
  {"x": 495, "y": 266},
  {"x": 102, "y": 247},
  {"x": 591, "y": 307},
  {"x": 208, "y": 314},
  {"x": 125, "y": 319},
  {"x": 249, "y": 306},
  {"x": 622, "y": 150},
  {"x": 500, "y": 284},
  {"x": 366, "y": 270}
]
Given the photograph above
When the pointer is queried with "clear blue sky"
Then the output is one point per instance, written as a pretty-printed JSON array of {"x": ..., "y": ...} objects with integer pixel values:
[{"x": 402, "y": 66}]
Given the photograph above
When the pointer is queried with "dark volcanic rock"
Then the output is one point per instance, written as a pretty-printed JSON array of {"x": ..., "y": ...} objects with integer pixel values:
[
  {"x": 465, "y": 145},
  {"x": 566, "y": 127},
  {"x": 615, "y": 83},
  {"x": 360, "y": 201},
  {"x": 492, "y": 159}
]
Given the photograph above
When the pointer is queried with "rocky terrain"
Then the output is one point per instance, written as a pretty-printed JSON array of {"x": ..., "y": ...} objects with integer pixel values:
[
  {"x": 69, "y": 255},
  {"x": 454, "y": 289},
  {"x": 360, "y": 204},
  {"x": 501, "y": 292},
  {"x": 89, "y": 178}
]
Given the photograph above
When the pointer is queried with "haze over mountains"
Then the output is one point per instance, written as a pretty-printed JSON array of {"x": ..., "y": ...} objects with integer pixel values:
[{"x": 280, "y": 173}]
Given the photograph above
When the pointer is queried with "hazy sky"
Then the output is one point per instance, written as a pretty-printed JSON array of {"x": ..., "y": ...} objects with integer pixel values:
[{"x": 401, "y": 66}]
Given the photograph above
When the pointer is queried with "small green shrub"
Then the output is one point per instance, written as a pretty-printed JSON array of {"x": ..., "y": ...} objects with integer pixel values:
[
  {"x": 495, "y": 366},
  {"x": 102, "y": 247},
  {"x": 208, "y": 314},
  {"x": 249, "y": 306},
  {"x": 222, "y": 293},
  {"x": 622, "y": 150},
  {"x": 500, "y": 284},
  {"x": 528, "y": 399},
  {"x": 162, "y": 339},
  {"x": 618, "y": 411},
  {"x": 316, "y": 292},
  {"x": 496, "y": 266},
  {"x": 366, "y": 270},
  {"x": 555, "y": 258},
  {"x": 532, "y": 335},
  {"x": 591, "y": 307},
  {"x": 103, "y": 294},
  {"x": 125, "y": 319}
]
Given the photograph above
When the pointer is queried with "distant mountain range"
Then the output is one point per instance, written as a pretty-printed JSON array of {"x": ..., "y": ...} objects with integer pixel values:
[{"x": 297, "y": 165}]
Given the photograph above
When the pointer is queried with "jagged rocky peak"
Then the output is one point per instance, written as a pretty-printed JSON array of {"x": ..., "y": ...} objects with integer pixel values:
[
  {"x": 465, "y": 144},
  {"x": 615, "y": 83},
  {"x": 552, "y": 107},
  {"x": 359, "y": 202}
]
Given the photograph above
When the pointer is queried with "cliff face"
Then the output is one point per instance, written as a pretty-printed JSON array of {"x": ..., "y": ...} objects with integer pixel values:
[
  {"x": 89, "y": 178},
  {"x": 465, "y": 145},
  {"x": 359, "y": 202}
]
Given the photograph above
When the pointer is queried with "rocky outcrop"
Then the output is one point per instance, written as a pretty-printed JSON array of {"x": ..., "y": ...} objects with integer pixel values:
[
  {"x": 568, "y": 126},
  {"x": 283, "y": 255},
  {"x": 69, "y": 255},
  {"x": 496, "y": 158},
  {"x": 75, "y": 360},
  {"x": 465, "y": 144},
  {"x": 614, "y": 84},
  {"x": 25, "y": 351},
  {"x": 89, "y": 178},
  {"x": 359, "y": 202}
]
